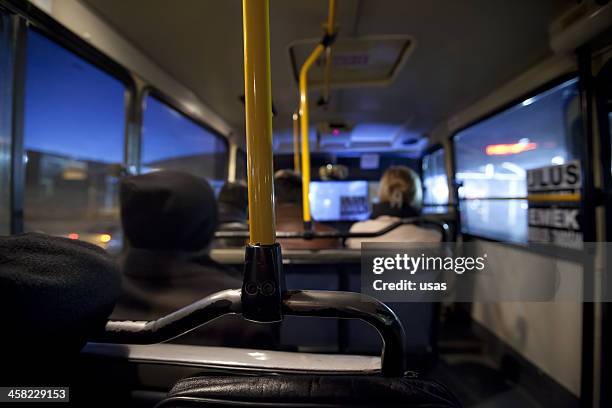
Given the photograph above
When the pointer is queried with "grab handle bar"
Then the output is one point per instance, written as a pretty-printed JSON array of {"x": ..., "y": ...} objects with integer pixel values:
[{"x": 313, "y": 303}]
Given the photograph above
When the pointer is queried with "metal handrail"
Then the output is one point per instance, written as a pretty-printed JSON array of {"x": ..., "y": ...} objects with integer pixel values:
[
  {"x": 312, "y": 303},
  {"x": 175, "y": 324},
  {"x": 325, "y": 44},
  {"x": 305, "y": 145},
  {"x": 443, "y": 226}
]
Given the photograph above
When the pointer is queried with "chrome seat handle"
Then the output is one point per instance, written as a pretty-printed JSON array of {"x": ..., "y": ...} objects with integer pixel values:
[{"x": 312, "y": 303}]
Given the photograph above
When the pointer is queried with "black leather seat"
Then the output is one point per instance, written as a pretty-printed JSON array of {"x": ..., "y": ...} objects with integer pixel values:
[
  {"x": 55, "y": 293},
  {"x": 297, "y": 391}
]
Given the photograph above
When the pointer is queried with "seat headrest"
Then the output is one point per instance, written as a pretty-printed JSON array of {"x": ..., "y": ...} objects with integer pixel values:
[
  {"x": 235, "y": 194},
  {"x": 168, "y": 210},
  {"x": 54, "y": 292}
]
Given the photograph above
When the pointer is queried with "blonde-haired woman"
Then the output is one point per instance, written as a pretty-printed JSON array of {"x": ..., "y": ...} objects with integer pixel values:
[{"x": 400, "y": 196}]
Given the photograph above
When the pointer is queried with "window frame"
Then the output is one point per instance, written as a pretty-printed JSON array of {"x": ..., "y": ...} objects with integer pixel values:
[
  {"x": 428, "y": 151},
  {"x": 45, "y": 25},
  {"x": 604, "y": 128},
  {"x": 602, "y": 108},
  {"x": 150, "y": 90},
  {"x": 573, "y": 74},
  {"x": 51, "y": 28}
]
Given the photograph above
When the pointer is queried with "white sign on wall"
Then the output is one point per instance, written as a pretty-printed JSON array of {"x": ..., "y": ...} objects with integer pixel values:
[{"x": 554, "y": 216}]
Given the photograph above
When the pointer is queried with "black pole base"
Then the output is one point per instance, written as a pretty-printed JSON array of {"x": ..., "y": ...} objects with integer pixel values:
[{"x": 263, "y": 285}]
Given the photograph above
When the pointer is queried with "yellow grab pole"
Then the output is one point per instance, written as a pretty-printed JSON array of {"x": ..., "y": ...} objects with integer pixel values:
[
  {"x": 304, "y": 131},
  {"x": 296, "y": 142},
  {"x": 331, "y": 17},
  {"x": 258, "y": 102},
  {"x": 330, "y": 32}
]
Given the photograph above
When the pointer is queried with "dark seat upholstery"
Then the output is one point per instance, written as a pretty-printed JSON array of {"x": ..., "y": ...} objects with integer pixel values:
[
  {"x": 54, "y": 294},
  {"x": 308, "y": 391},
  {"x": 55, "y": 289}
]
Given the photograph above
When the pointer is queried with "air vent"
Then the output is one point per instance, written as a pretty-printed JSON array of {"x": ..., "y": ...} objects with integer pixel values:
[{"x": 374, "y": 60}]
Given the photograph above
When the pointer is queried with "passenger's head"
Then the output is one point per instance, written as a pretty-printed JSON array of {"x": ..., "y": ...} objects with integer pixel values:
[
  {"x": 400, "y": 186},
  {"x": 234, "y": 194},
  {"x": 233, "y": 202},
  {"x": 168, "y": 210},
  {"x": 287, "y": 187}
]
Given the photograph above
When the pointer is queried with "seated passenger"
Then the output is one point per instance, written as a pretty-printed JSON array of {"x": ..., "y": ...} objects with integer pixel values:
[
  {"x": 400, "y": 197},
  {"x": 288, "y": 201},
  {"x": 169, "y": 220},
  {"x": 233, "y": 206}
]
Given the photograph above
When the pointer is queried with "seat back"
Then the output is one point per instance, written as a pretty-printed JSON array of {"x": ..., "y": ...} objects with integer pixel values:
[
  {"x": 54, "y": 294},
  {"x": 310, "y": 391}
]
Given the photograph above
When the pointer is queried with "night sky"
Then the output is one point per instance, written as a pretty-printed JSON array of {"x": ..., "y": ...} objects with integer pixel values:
[
  {"x": 74, "y": 109},
  {"x": 71, "y": 108},
  {"x": 163, "y": 124}
]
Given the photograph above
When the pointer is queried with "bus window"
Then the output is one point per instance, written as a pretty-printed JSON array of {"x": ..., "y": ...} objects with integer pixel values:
[
  {"x": 5, "y": 123},
  {"x": 435, "y": 182},
  {"x": 73, "y": 140},
  {"x": 493, "y": 155},
  {"x": 170, "y": 140}
]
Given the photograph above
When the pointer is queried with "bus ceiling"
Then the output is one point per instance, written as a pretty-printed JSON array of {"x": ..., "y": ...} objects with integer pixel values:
[{"x": 394, "y": 74}]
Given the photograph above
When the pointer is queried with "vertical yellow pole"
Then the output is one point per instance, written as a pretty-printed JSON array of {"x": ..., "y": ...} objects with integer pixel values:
[
  {"x": 330, "y": 29},
  {"x": 258, "y": 101},
  {"x": 296, "y": 143},
  {"x": 331, "y": 17},
  {"x": 304, "y": 131}
]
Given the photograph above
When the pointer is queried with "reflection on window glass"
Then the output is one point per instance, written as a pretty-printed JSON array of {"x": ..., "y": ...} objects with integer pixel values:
[
  {"x": 435, "y": 183},
  {"x": 73, "y": 138},
  {"x": 170, "y": 140},
  {"x": 492, "y": 157}
]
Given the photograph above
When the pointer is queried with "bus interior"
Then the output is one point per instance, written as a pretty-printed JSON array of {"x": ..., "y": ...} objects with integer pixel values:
[{"x": 297, "y": 123}]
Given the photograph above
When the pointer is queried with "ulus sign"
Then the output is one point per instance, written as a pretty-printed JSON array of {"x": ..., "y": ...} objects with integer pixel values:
[
  {"x": 553, "y": 193},
  {"x": 558, "y": 179}
]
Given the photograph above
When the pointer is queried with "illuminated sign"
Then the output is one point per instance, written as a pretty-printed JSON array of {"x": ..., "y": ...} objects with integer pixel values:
[{"x": 508, "y": 149}]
